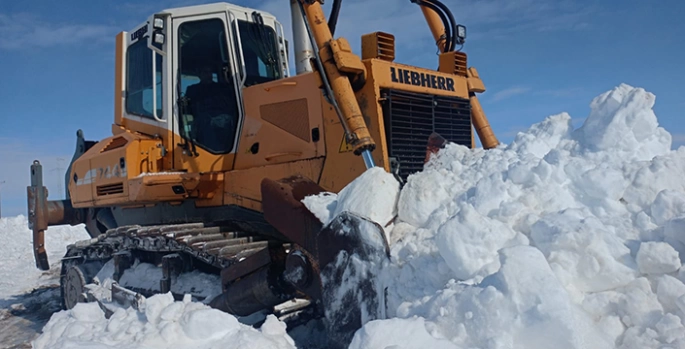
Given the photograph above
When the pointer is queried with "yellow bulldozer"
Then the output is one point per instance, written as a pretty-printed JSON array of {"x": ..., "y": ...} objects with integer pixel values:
[{"x": 214, "y": 146}]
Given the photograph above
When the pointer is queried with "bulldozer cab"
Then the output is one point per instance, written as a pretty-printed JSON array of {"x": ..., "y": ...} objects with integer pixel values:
[{"x": 184, "y": 71}]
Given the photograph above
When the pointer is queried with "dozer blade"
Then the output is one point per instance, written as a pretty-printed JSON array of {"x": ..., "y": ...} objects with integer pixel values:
[
  {"x": 337, "y": 265},
  {"x": 352, "y": 293}
]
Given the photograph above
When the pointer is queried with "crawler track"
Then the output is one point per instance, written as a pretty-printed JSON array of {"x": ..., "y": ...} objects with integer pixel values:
[{"x": 177, "y": 248}]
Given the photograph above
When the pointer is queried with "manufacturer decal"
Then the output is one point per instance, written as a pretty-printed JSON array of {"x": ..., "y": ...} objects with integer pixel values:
[
  {"x": 139, "y": 33},
  {"x": 414, "y": 78},
  {"x": 96, "y": 174}
]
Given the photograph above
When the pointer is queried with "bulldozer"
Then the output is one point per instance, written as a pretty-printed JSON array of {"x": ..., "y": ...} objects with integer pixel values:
[{"x": 215, "y": 144}]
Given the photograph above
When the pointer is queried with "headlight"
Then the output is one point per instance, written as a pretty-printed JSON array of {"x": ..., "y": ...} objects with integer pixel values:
[
  {"x": 158, "y": 23},
  {"x": 159, "y": 38},
  {"x": 461, "y": 32}
]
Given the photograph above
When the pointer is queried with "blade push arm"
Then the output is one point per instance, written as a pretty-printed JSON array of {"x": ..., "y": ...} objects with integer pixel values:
[{"x": 336, "y": 64}]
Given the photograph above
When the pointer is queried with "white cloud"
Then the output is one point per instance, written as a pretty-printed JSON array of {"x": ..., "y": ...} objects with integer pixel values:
[
  {"x": 509, "y": 92},
  {"x": 20, "y": 31}
]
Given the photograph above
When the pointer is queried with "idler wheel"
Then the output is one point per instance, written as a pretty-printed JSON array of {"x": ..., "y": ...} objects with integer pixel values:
[{"x": 74, "y": 287}]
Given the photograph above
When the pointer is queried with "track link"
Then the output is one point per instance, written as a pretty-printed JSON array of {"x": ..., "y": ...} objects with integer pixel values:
[
  {"x": 209, "y": 249},
  {"x": 207, "y": 244}
]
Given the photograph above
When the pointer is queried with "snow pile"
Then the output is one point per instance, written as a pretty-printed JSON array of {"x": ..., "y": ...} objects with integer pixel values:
[
  {"x": 17, "y": 255},
  {"x": 565, "y": 238},
  {"x": 160, "y": 323}
]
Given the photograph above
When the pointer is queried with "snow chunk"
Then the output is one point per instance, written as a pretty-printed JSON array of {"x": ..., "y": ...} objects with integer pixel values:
[
  {"x": 420, "y": 198},
  {"x": 469, "y": 243},
  {"x": 657, "y": 258},
  {"x": 162, "y": 324},
  {"x": 398, "y": 333},
  {"x": 373, "y": 195},
  {"x": 668, "y": 204},
  {"x": 622, "y": 120},
  {"x": 549, "y": 318},
  {"x": 668, "y": 290},
  {"x": 584, "y": 253}
]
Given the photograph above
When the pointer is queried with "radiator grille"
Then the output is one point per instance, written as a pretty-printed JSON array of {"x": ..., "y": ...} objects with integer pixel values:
[
  {"x": 110, "y": 189},
  {"x": 411, "y": 117}
]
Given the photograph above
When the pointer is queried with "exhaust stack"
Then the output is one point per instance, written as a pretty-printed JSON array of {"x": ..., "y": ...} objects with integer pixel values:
[{"x": 302, "y": 45}]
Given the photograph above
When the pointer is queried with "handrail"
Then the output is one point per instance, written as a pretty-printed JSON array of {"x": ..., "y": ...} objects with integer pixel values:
[
  {"x": 240, "y": 48},
  {"x": 154, "y": 87}
]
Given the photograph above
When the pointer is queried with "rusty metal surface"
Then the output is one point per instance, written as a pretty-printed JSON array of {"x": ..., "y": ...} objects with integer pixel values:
[
  {"x": 255, "y": 292},
  {"x": 283, "y": 208},
  {"x": 43, "y": 213},
  {"x": 435, "y": 143},
  {"x": 249, "y": 264},
  {"x": 38, "y": 215}
]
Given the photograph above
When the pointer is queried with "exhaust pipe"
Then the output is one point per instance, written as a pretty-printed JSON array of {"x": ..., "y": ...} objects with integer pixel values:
[{"x": 302, "y": 46}]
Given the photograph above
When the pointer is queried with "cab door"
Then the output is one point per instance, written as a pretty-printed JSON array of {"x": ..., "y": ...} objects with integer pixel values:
[{"x": 207, "y": 94}]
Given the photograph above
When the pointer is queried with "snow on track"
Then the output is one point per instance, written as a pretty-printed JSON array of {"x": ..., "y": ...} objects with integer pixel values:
[{"x": 162, "y": 323}]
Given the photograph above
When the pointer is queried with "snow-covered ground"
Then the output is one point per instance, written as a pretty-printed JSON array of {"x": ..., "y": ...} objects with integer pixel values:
[
  {"x": 565, "y": 238},
  {"x": 18, "y": 270},
  {"x": 29, "y": 296}
]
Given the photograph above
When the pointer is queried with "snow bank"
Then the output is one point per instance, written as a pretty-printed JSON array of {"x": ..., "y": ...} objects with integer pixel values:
[
  {"x": 160, "y": 323},
  {"x": 565, "y": 238},
  {"x": 17, "y": 255}
]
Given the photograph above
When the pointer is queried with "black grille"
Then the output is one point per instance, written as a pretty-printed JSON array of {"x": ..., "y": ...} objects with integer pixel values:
[{"x": 411, "y": 117}]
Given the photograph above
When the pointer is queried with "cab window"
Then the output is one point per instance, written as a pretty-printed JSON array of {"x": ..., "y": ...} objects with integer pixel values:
[
  {"x": 260, "y": 51},
  {"x": 139, "y": 80},
  {"x": 209, "y": 117}
]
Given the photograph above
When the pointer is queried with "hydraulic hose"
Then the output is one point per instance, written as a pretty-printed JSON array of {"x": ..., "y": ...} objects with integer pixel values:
[
  {"x": 333, "y": 18},
  {"x": 448, "y": 28},
  {"x": 452, "y": 24}
]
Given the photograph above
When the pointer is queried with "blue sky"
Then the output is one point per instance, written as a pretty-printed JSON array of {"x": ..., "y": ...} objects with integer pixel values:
[{"x": 536, "y": 57}]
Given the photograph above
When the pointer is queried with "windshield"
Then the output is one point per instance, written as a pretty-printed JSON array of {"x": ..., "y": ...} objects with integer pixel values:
[{"x": 260, "y": 51}]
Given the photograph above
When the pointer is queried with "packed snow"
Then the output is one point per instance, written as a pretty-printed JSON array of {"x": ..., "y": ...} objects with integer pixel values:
[
  {"x": 17, "y": 255},
  {"x": 564, "y": 238}
]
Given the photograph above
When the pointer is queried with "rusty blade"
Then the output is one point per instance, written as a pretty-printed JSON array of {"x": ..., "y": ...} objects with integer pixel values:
[
  {"x": 435, "y": 143},
  {"x": 38, "y": 215},
  {"x": 283, "y": 209}
]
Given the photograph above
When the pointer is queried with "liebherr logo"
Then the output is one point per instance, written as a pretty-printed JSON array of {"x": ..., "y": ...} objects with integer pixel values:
[
  {"x": 139, "y": 33},
  {"x": 405, "y": 76}
]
